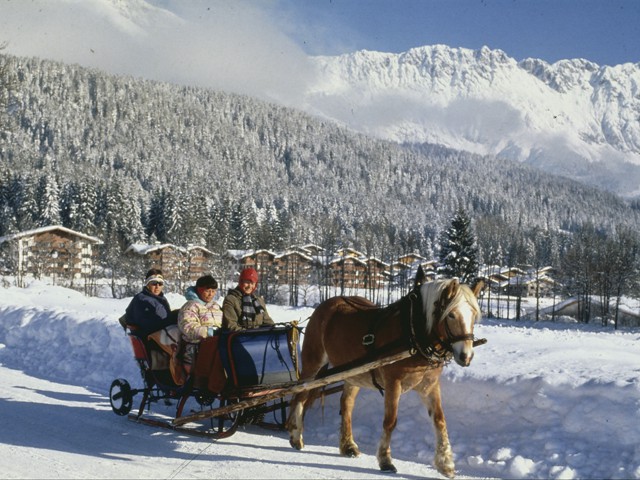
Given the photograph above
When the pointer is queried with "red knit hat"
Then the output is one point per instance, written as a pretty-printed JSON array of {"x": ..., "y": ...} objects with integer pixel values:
[{"x": 249, "y": 274}]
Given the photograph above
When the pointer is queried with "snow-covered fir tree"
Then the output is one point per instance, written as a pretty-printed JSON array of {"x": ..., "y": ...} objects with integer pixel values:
[
  {"x": 48, "y": 198},
  {"x": 458, "y": 250}
]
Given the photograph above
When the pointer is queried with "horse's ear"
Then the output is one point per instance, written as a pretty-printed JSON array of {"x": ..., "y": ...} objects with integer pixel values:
[
  {"x": 452, "y": 289},
  {"x": 478, "y": 286},
  {"x": 420, "y": 277}
]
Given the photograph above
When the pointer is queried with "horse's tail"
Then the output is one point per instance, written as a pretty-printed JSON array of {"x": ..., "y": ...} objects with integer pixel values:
[
  {"x": 316, "y": 393},
  {"x": 320, "y": 392}
]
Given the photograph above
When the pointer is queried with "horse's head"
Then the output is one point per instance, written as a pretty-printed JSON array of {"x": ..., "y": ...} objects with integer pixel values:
[{"x": 451, "y": 309}]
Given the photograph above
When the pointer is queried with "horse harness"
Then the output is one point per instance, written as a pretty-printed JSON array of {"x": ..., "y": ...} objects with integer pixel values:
[{"x": 429, "y": 345}]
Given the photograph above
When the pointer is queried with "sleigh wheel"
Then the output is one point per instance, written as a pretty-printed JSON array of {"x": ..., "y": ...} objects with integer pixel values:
[
  {"x": 220, "y": 426},
  {"x": 225, "y": 425},
  {"x": 120, "y": 397}
]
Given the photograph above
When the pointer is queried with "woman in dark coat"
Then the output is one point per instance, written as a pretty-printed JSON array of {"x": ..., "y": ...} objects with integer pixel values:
[{"x": 149, "y": 310}]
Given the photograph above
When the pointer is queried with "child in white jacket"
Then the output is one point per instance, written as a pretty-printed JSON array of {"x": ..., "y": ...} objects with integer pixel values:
[{"x": 199, "y": 317}]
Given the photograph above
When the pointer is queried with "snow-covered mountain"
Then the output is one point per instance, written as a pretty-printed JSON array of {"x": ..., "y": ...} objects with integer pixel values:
[{"x": 572, "y": 118}]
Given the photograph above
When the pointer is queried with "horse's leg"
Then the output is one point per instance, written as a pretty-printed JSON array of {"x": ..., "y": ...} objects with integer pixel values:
[
  {"x": 313, "y": 359},
  {"x": 391, "y": 399},
  {"x": 443, "y": 460},
  {"x": 348, "y": 446},
  {"x": 295, "y": 421}
]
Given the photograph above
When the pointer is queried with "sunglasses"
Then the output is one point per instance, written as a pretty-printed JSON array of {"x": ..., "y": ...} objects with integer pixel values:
[{"x": 156, "y": 284}]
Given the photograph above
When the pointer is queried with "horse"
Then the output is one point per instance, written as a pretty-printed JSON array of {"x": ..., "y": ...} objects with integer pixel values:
[{"x": 434, "y": 322}]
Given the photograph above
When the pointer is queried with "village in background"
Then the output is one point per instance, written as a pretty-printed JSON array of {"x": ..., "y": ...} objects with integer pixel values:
[{"x": 300, "y": 276}]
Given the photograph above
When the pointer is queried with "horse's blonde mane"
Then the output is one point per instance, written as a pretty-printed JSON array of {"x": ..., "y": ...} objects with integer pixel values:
[{"x": 431, "y": 292}]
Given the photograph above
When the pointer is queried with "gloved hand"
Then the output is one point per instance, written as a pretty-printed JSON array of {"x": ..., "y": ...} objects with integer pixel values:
[{"x": 210, "y": 331}]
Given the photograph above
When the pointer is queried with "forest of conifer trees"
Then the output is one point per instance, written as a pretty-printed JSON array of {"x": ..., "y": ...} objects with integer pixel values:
[{"x": 129, "y": 160}]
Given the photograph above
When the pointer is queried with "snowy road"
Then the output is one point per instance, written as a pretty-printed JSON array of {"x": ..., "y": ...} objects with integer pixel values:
[{"x": 53, "y": 430}]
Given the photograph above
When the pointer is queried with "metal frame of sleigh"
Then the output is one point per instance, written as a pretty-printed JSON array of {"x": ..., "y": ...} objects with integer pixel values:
[{"x": 231, "y": 369}]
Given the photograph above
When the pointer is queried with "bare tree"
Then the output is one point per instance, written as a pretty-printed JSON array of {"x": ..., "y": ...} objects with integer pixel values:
[{"x": 626, "y": 260}]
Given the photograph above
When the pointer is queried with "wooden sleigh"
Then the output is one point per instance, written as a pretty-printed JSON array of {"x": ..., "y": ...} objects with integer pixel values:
[{"x": 231, "y": 370}]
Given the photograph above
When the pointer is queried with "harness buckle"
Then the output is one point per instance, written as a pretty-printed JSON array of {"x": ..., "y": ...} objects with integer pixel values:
[{"x": 368, "y": 339}]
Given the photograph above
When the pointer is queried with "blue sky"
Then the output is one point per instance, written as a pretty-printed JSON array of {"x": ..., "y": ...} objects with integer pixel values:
[{"x": 606, "y": 32}]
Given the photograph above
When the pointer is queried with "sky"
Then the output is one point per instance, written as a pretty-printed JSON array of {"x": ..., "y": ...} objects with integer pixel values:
[
  {"x": 606, "y": 32},
  {"x": 265, "y": 49},
  {"x": 540, "y": 400}
]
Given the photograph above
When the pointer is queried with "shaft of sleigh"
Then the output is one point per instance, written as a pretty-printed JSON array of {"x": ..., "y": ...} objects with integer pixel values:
[{"x": 330, "y": 377}]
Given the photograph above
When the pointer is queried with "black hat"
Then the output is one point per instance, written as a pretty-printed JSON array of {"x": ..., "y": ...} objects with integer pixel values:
[{"x": 206, "y": 281}]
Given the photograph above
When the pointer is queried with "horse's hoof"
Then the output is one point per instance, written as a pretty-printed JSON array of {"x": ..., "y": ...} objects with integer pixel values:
[
  {"x": 351, "y": 452},
  {"x": 297, "y": 445},
  {"x": 388, "y": 468},
  {"x": 446, "y": 468},
  {"x": 448, "y": 472}
]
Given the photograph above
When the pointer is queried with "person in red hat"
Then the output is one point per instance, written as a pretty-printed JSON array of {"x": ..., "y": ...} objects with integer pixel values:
[{"x": 242, "y": 309}]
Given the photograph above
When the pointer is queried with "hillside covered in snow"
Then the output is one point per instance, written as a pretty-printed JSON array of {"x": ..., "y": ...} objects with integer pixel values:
[{"x": 572, "y": 118}]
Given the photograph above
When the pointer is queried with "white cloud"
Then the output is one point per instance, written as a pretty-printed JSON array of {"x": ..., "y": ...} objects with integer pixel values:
[{"x": 232, "y": 46}]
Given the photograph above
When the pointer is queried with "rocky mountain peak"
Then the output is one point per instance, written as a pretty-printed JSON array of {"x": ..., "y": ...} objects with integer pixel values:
[{"x": 573, "y": 117}]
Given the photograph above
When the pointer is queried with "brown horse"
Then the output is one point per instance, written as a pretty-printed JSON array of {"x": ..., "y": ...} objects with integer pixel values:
[{"x": 435, "y": 322}]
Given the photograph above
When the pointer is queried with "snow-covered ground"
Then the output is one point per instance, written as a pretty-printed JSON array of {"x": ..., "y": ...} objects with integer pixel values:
[{"x": 539, "y": 401}]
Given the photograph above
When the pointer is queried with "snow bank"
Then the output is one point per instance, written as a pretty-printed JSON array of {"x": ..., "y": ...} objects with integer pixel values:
[{"x": 539, "y": 401}]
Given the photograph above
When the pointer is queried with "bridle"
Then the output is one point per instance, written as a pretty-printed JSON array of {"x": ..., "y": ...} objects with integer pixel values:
[
  {"x": 435, "y": 350},
  {"x": 428, "y": 344},
  {"x": 451, "y": 338}
]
